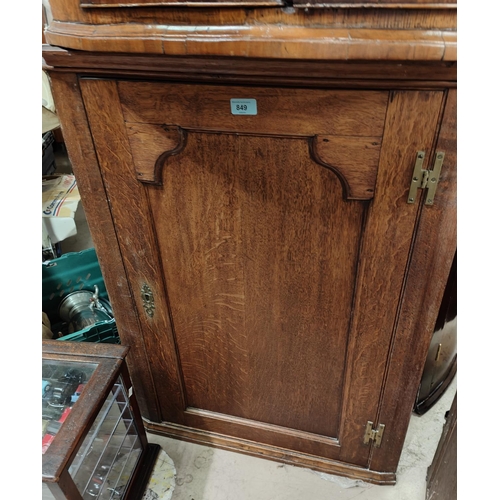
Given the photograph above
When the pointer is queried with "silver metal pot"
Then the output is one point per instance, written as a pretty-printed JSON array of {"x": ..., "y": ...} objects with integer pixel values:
[{"x": 84, "y": 308}]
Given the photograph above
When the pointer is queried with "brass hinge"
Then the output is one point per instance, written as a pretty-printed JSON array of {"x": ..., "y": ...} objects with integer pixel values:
[
  {"x": 373, "y": 434},
  {"x": 425, "y": 179}
]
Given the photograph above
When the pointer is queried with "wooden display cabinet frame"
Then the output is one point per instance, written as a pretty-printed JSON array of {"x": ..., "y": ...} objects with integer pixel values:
[{"x": 110, "y": 361}]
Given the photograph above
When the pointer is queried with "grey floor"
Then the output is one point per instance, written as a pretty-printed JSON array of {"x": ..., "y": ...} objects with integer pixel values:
[{"x": 204, "y": 473}]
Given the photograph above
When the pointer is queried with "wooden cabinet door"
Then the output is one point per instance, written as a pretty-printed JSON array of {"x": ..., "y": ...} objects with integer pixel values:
[
  {"x": 442, "y": 473},
  {"x": 265, "y": 252}
]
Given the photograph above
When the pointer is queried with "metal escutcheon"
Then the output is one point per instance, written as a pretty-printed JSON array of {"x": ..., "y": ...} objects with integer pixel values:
[{"x": 148, "y": 301}]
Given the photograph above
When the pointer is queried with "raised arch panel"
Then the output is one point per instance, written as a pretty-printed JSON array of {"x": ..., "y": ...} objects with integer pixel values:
[
  {"x": 266, "y": 250},
  {"x": 353, "y": 159}
]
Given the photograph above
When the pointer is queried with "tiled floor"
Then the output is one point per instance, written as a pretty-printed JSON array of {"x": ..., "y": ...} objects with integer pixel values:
[{"x": 204, "y": 473}]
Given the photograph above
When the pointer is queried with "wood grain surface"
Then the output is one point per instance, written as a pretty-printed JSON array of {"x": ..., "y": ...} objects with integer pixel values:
[
  {"x": 82, "y": 155},
  {"x": 231, "y": 70},
  {"x": 256, "y": 41},
  {"x": 256, "y": 293},
  {"x": 430, "y": 16},
  {"x": 257, "y": 230},
  {"x": 138, "y": 245},
  {"x": 386, "y": 249},
  {"x": 415, "y": 30},
  {"x": 178, "y": 3},
  {"x": 319, "y": 3},
  {"x": 239, "y": 224},
  {"x": 295, "y": 289},
  {"x": 353, "y": 159},
  {"x": 150, "y": 145},
  {"x": 432, "y": 256},
  {"x": 381, "y": 4},
  {"x": 279, "y": 111},
  {"x": 442, "y": 480},
  {"x": 269, "y": 258}
]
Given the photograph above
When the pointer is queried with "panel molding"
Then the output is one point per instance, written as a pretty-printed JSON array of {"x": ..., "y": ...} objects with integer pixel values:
[
  {"x": 129, "y": 209},
  {"x": 217, "y": 277},
  {"x": 331, "y": 441},
  {"x": 247, "y": 71},
  {"x": 354, "y": 160},
  {"x": 163, "y": 141},
  {"x": 281, "y": 455}
]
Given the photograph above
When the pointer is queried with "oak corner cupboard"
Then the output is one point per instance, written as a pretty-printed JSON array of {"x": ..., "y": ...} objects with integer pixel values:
[{"x": 271, "y": 190}]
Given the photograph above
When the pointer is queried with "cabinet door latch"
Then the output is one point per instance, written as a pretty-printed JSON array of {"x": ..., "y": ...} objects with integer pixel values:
[
  {"x": 425, "y": 179},
  {"x": 372, "y": 434}
]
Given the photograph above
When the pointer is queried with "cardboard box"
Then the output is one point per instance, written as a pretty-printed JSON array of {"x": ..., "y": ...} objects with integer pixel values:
[{"x": 60, "y": 198}]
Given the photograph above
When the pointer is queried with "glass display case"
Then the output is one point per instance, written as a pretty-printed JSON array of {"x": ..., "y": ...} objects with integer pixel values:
[{"x": 94, "y": 445}]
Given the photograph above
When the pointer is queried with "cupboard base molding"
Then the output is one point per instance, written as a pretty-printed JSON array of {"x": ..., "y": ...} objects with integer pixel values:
[{"x": 259, "y": 450}]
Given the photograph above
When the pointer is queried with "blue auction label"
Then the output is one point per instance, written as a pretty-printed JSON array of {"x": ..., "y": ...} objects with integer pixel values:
[{"x": 243, "y": 106}]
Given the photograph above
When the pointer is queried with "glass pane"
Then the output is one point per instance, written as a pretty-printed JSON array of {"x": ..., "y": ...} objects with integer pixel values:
[
  {"x": 109, "y": 454},
  {"x": 62, "y": 384}
]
